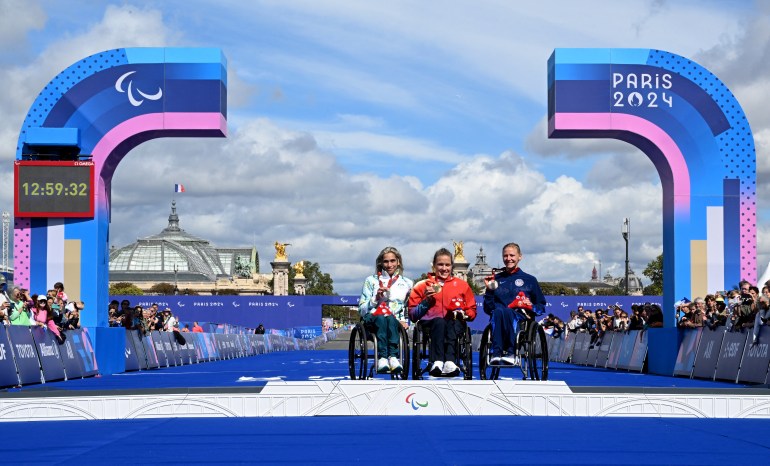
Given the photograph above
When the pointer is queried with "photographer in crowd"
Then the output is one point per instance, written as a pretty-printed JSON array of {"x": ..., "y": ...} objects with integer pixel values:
[{"x": 20, "y": 305}]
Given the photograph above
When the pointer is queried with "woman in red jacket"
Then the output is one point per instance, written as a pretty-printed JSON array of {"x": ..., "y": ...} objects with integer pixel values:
[{"x": 441, "y": 302}]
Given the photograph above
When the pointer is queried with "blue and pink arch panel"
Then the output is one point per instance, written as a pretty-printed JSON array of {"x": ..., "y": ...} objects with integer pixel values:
[
  {"x": 107, "y": 104},
  {"x": 696, "y": 134}
]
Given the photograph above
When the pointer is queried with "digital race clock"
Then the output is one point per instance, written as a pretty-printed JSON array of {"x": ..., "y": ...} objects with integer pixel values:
[{"x": 54, "y": 188}]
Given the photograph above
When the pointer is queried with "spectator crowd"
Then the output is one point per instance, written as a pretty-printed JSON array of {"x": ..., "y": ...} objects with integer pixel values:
[
  {"x": 600, "y": 321},
  {"x": 52, "y": 309},
  {"x": 744, "y": 308},
  {"x": 147, "y": 320}
]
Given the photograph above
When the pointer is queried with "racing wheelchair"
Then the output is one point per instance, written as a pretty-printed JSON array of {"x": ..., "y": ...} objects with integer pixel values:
[
  {"x": 531, "y": 348},
  {"x": 362, "y": 353},
  {"x": 421, "y": 351}
]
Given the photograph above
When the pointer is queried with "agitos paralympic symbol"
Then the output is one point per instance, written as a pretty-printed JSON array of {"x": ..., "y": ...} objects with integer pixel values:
[{"x": 415, "y": 404}]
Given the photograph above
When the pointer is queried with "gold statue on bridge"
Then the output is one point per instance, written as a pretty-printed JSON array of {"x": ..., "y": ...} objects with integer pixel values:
[
  {"x": 299, "y": 268},
  {"x": 459, "y": 257},
  {"x": 280, "y": 252}
]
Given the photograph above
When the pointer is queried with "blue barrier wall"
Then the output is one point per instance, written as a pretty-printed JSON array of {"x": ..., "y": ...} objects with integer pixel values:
[{"x": 305, "y": 311}]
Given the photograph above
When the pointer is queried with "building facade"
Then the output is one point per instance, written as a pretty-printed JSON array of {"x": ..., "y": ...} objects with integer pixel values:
[{"x": 188, "y": 262}]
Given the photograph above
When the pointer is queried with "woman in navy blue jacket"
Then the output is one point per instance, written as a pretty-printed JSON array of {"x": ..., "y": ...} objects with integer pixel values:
[{"x": 501, "y": 290}]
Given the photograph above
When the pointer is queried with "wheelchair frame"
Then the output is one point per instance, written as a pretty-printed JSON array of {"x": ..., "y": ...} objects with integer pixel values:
[
  {"x": 362, "y": 349},
  {"x": 531, "y": 347},
  {"x": 421, "y": 346}
]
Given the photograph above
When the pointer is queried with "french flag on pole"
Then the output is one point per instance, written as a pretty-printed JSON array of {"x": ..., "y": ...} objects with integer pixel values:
[{"x": 178, "y": 188}]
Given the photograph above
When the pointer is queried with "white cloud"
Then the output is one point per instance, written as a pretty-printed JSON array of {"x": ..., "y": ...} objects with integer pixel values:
[
  {"x": 395, "y": 146},
  {"x": 19, "y": 18},
  {"x": 358, "y": 63}
]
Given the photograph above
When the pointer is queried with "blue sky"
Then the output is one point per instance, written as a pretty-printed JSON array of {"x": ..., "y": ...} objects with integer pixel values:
[{"x": 355, "y": 125}]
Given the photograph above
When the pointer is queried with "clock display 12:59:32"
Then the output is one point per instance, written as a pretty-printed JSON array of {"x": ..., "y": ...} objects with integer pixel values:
[{"x": 54, "y": 189}]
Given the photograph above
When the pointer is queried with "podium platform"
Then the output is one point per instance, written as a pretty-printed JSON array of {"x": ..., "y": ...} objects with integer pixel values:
[{"x": 447, "y": 397}]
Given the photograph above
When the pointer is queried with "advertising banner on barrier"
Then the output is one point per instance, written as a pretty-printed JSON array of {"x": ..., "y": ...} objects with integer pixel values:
[
  {"x": 593, "y": 352},
  {"x": 614, "y": 354},
  {"x": 261, "y": 346},
  {"x": 149, "y": 352},
  {"x": 25, "y": 353},
  {"x": 172, "y": 349},
  {"x": 134, "y": 336},
  {"x": 189, "y": 349},
  {"x": 168, "y": 346},
  {"x": 132, "y": 361},
  {"x": 627, "y": 349},
  {"x": 307, "y": 333},
  {"x": 685, "y": 359},
  {"x": 604, "y": 349},
  {"x": 8, "y": 375},
  {"x": 72, "y": 365},
  {"x": 84, "y": 350},
  {"x": 220, "y": 346},
  {"x": 211, "y": 346},
  {"x": 756, "y": 359},
  {"x": 164, "y": 359},
  {"x": 636, "y": 363},
  {"x": 201, "y": 352},
  {"x": 708, "y": 353},
  {"x": 554, "y": 348},
  {"x": 580, "y": 352},
  {"x": 730, "y": 356},
  {"x": 48, "y": 352},
  {"x": 567, "y": 347}
]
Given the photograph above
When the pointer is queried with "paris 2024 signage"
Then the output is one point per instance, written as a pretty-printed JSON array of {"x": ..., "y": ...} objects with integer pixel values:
[{"x": 696, "y": 134}]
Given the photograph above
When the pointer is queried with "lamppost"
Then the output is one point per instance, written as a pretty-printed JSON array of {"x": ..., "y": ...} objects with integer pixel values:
[
  {"x": 626, "y": 231},
  {"x": 176, "y": 287}
]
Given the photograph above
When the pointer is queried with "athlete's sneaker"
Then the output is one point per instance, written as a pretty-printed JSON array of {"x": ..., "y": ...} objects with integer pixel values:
[
  {"x": 437, "y": 369},
  {"x": 511, "y": 360},
  {"x": 395, "y": 365},
  {"x": 382, "y": 366},
  {"x": 450, "y": 369}
]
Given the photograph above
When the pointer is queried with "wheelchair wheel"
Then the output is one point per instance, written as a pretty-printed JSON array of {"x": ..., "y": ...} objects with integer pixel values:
[
  {"x": 465, "y": 351},
  {"x": 487, "y": 372},
  {"x": 403, "y": 354},
  {"x": 358, "y": 357},
  {"x": 522, "y": 349},
  {"x": 417, "y": 351},
  {"x": 538, "y": 355}
]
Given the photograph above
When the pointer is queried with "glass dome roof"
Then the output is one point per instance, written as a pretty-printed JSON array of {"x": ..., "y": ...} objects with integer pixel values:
[{"x": 171, "y": 248}]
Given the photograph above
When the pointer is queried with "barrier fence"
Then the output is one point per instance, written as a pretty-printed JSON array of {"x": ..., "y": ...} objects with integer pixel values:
[
  {"x": 703, "y": 353},
  {"x": 31, "y": 355},
  {"x": 167, "y": 349}
]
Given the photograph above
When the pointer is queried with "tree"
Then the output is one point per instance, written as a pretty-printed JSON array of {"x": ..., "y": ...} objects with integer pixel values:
[
  {"x": 125, "y": 288},
  {"x": 162, "y": 288},
  {"x": 555, "y": 289},
  {"x": 477, "y": 289},
  {"x": 346, "y": 314},
  {"x": 318, "y": 283},
  {"x": 654, "y": 271},
  {"x": 614, "y": 291}
]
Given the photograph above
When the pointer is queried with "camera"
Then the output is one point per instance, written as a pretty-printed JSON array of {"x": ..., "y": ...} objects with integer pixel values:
[{"x": 746, "y": 299}]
